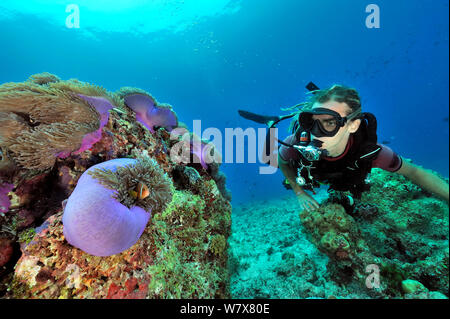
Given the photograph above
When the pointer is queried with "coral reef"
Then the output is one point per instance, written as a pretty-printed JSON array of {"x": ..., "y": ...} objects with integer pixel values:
[
  {"x": 395, "y": 236},
  {"x": 336, "y": 234},
  {"x": 172, "y": 258},
  {"x": 410, "y": 230},
  {"x": 404, "y": 234},
  {"x": 220, "y": 179},
  {"x": 270, "y": 255}
]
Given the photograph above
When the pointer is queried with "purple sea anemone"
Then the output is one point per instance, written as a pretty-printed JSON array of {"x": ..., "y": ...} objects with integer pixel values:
[
  {"x": 102, "y": 217},
  {"x": 151, "y": 114}
]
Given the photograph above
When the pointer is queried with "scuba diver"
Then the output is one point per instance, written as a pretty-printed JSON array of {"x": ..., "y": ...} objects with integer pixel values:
[{"x": 333, "y": 142}]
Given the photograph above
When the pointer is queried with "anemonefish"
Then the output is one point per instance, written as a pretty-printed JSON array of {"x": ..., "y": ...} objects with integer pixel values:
[{"x": 140, "y": 192}]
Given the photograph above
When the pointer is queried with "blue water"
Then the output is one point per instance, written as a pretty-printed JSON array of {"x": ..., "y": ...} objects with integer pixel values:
[{"x": 210, "y": 58}]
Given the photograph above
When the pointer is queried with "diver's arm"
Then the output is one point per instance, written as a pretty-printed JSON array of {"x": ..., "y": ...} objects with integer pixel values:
[
  {"x": 425, "y": 179},
  {"x": 305, "y": 200}
]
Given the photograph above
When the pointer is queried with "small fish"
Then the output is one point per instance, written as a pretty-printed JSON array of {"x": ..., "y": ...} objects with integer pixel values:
[
  {"x": 385, "y": 142},
  {"x": 446, "y": 119},
  {"x": 140, "y": 192}
]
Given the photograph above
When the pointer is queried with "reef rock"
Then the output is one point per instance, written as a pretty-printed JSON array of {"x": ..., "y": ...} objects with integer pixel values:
[
  {"x": 174, "y": 258},
  {"x": 396, "y": 232}
]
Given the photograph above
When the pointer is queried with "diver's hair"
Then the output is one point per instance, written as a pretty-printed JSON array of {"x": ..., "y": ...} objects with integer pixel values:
[{"x": 338, "y": 93}]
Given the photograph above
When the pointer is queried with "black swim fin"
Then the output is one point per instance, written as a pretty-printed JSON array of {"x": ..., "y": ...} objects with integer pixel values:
[
  {"x": 263, "y": 119},
  {"x": 312, "y": 87}
]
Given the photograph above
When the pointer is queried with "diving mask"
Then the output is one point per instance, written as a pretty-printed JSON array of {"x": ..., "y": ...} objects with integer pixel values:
[{"x": 327, "y": 126}]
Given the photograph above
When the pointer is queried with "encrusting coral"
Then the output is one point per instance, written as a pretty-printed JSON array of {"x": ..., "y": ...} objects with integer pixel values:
[
  {"x": 218, "y": 244},
  {"x": 336, "y": 233}
]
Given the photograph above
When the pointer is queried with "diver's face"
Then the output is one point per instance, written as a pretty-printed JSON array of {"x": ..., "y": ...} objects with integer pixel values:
[{"x": 335, "y": 145}]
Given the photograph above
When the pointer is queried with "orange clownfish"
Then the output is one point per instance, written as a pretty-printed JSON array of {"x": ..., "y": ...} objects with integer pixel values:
[{"x": 140, "y": 192}]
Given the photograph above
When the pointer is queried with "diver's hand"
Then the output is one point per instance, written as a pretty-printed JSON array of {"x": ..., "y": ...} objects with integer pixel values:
[{"x": 307, "y": 202}]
